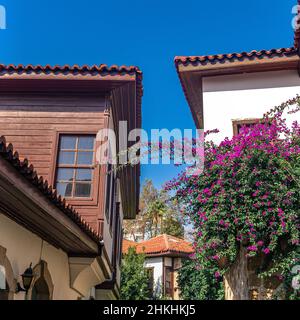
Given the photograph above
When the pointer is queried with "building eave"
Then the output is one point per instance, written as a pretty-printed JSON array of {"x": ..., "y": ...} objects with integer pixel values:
[
  {"x": 30, "y": 202},
  {"x": 192, "y": 69}
]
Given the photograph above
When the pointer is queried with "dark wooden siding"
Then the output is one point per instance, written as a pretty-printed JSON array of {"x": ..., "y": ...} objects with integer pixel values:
[{"x": 31, "y": 124}]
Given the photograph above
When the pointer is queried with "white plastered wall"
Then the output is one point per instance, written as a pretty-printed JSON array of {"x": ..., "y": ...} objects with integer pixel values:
[
  {"x": 157, "y": 264},
  {"x": 235, "y": 97}
]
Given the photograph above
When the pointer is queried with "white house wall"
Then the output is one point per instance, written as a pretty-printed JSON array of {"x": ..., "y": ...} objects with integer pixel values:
[
  {"x": 233, "y": 97},
  {"x": 157, "y": 264}
]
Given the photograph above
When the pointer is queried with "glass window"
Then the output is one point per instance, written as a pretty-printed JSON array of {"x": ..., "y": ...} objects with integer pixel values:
[
  {"x": 85, "y": 158},
  {"x": 86, "y": 143},
  {"x": 74, "y": 173}
]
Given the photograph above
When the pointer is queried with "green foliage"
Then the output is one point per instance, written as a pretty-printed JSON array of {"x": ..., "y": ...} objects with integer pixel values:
[
  {"x": 199, "y": 284},
  {"x": 159, "y": 214},
  {"x": 248, "y": 195},
  {"x": 134, "y": 277}
]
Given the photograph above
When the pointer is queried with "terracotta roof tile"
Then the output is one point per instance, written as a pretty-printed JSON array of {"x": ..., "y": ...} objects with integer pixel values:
[
  {"x": 160, "y": 245},
  {"x": 67, "y": 69},
  {"x": 233, "y": 57},
  {"x": 27, "y": 170}
]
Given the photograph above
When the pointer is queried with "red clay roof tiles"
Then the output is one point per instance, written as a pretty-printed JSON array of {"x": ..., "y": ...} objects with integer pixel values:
[
  {"x": 160, "y": 245},
  {"x": 232, "y": 57},
  {"x": 66, "y": 69}
]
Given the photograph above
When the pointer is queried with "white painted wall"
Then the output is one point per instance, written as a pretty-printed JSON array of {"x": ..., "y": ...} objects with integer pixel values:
[
  {"x": 157, "y": 264},
  {"x": 23, "y": 248},
  {"x": 232, "y": 97}
]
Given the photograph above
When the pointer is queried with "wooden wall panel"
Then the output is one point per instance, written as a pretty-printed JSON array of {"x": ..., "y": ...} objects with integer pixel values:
[{"x": 31, "y": 123}]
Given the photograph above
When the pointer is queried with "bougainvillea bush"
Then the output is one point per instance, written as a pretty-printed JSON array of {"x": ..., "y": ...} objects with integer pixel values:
[{"x": 248, "y": 194}]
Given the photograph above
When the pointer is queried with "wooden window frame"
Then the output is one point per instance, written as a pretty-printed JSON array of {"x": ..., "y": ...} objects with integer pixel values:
[
  {"x": 108, "y": 183},
  {"x": 151, "y": 289},
  {"x": 241, "y": 122},
  {"x": 171, "y": 294},
  {"x": 116, "y": 236},
  {"x": 80, "y": 201},
  {"x": 121, "y": 244},
  {"x": 113, "y": 204}
]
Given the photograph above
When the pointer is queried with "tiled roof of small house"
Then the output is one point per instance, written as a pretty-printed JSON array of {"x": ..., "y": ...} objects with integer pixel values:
[
  {"x": 27, "y": 171},
  {"x": 160, "y": 245}
]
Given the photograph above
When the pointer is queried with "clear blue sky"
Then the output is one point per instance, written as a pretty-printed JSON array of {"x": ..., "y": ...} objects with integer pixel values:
[{"x": 146, "y": 33}]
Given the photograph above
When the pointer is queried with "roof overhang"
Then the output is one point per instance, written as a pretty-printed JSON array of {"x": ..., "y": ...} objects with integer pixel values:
[
  {"x": 192, "y": 69},
  {"x": 26, "y": 205}
]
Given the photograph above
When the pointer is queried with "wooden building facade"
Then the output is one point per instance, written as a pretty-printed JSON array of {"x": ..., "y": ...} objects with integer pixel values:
[{"x": 52, "y": 116}]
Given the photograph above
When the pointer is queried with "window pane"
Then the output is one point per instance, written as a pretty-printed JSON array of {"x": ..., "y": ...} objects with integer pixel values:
[
  {"x": 64, "y": 189},
  {"x": 86, "y": 143},
  {"x": 85, "y": 158},
  {"x": 68, "y": 142},
  {"x": 82, "y": 190},
  {"x": 84, "y": 175},
  {"x": 66, "y": 157},
  {"x": 65, "y": 174}
]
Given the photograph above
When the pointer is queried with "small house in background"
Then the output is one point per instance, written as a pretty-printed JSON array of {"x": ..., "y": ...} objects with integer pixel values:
[{"x": 163, "y": 259}]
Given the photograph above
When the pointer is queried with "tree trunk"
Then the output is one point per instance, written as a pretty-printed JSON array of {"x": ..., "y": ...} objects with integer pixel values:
[{"x": 241, "y": 282}]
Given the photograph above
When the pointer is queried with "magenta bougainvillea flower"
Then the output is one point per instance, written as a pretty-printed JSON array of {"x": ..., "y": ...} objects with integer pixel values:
[{"x": 248, "y": 194}]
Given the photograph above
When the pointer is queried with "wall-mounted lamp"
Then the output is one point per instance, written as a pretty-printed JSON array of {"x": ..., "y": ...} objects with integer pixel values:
[{"x": 27, "y": 278}]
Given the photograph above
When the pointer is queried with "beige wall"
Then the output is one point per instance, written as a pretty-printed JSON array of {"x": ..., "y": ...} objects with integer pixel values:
[{"x": 23, "y": 247}]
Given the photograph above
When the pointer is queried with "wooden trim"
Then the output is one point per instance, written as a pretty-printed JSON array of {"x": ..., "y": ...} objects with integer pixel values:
[
  {"x": 193, "y": 89},
  {"x": 79, "y": 77},
  {"x": 191, "y": 77},
  {"x": 152, "y": 284},
  {"x": 163, "y": 277},
  {"x": 116, "y": 235},
  {"x": 23, "y": 203},
  {"x": 240, "y": 122},
  {"x": 103, "y": 173},
  {"x": 93, "y": 200}
]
